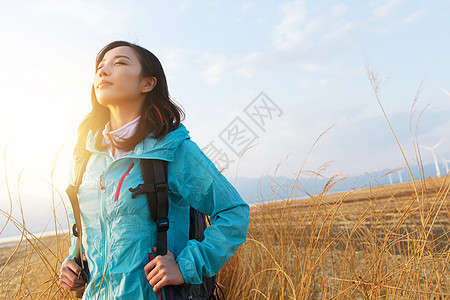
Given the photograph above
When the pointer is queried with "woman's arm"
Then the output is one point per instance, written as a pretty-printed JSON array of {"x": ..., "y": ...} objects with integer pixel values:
[
  {"x": 69, "y": 271},
  {"x": 199, "y": 182},
  {"x": 69, "y": 277}
]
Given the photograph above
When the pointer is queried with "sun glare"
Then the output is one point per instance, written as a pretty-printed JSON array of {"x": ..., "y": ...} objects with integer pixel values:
[{"x": 32, "y": 140}]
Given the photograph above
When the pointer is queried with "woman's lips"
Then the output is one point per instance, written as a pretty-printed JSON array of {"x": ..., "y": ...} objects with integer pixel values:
[{"x": 104, "y": 83}]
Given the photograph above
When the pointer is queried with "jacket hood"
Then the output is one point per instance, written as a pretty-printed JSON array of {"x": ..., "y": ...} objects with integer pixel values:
[{"x": 149, "y": 147}]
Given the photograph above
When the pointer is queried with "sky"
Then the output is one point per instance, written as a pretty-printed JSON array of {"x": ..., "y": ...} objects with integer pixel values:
[{"x": 271, "y": 87}]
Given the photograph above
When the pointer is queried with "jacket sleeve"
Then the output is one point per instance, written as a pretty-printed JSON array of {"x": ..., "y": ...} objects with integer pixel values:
[{"x": 200, "y": 183}]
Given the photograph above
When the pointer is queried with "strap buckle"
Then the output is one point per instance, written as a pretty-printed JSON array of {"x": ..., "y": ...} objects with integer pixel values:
[
  {"x": 75, "y": 229},
  {"x": 162, "y": 224},
  {"x": 148, "y": 188},
  {"x": 161, "y": 187},
  {"x": 137, "y": 190}
]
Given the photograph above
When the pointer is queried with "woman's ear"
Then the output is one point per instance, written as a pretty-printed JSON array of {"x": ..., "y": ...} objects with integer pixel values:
[{"x": 148, "y": 83}]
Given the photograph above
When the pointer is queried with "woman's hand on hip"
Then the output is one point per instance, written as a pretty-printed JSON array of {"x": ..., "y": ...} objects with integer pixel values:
[{"x": 162, "y": 271}]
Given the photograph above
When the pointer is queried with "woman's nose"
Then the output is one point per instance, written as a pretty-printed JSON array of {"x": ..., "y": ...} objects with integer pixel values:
[{"x": 102, "y": 72}]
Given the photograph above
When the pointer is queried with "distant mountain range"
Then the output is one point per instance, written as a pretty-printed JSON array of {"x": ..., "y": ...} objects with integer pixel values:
[
  {"x": 267, "y": 188},
  {"x": 252, "y": 190}
]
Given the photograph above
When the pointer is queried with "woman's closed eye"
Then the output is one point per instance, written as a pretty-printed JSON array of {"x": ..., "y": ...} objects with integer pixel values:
[{"x": 119, "y": 62}]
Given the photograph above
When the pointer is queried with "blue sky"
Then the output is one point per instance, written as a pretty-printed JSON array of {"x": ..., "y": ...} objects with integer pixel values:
[{"x": 308, "y": 57}]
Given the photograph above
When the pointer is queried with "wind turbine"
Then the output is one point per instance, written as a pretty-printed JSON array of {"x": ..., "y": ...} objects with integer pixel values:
[
  {"x": 400, "y": 176},
  {"x": 446, "y": 161},
  {"x": 390, "y": 178},
  {"x": 433, "y": 152},
  {"x": 399, "y": 172}
]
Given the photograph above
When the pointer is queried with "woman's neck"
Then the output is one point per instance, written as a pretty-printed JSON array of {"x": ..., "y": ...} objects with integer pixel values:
[{"x": 119, "y": 116}]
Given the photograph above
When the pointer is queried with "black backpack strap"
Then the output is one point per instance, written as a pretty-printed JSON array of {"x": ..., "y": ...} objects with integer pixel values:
[
  {"x": 72, "y": 193},
  {"x": 154, "y": 172},
  {"x": 155, "y": 186}
]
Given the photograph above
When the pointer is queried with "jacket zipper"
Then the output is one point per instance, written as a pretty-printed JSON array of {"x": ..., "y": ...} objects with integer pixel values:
[
  {"x": 121, "y": 181},
  {"x": 104, "y": 232},
  {"x": 102, "y": 209},
  {"x": 101, "y": 186},
  {"x": 102, "y": 212}
]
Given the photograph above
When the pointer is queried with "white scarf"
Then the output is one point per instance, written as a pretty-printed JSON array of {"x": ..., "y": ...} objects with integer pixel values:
[{"x": 120, "y": 134}]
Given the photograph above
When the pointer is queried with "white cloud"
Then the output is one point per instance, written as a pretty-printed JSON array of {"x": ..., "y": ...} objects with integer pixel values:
[
  {"x": 288, "y": 34},
  {"x": 386, "y": 9},
  {"x": 304, "y": 39},
  {"x": 102, "y": 17},
  {"x": 183, "y": 7},
  {"x": 393, "y": 15},
  {"x": 218, "y": 66},
  {"x": 174, "y": 58},
  {"x": 390, "y": 26},
  {"x": 413, "y": 17},
  {"x": 338, "y": 9},
  {"x": 259, "y": 20},
  {"x": 247, "y": 5},
  {"x": 339, "y": 33},
  {"x": 252, "y": 63}
]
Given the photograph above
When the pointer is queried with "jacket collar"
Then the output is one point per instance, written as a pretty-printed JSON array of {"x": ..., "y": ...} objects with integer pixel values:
[
  {"x": 124, "y": 132},
  {"x": 149, "y": 147}
]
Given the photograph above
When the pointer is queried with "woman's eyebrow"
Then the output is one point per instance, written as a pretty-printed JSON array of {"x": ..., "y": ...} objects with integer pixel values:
[{"x": 117, "y": 56}]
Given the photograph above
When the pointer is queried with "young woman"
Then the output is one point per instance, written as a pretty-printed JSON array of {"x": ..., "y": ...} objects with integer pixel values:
[{"x": 133, "y": 118}]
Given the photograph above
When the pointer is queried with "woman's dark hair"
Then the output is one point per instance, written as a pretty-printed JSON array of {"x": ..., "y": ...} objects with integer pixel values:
[{"x": 159, "y": 113}]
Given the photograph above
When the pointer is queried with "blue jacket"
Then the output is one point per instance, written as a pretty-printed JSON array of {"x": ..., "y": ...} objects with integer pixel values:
[{"x": 118, "y": 230}]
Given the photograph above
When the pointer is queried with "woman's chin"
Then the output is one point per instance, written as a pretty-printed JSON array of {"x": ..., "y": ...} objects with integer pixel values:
[{"x": 105, "y": 101}]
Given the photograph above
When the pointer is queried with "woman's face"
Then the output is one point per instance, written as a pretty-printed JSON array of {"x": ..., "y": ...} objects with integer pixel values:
[{"x": 120, "y": 71}]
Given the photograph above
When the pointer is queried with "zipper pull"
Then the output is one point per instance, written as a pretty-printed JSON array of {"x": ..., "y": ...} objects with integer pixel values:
[
  {"x": 127, "y": 173},
  {"x": 101, "y": 186}
]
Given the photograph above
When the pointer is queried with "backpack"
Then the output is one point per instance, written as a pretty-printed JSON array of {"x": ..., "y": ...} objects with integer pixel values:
[{"x": 155, "y": 186}]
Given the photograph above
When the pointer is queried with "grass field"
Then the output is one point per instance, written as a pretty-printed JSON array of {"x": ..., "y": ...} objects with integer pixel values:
[
  {"x": 378, "y": 243},
  {"x": 381, "y": 243}
]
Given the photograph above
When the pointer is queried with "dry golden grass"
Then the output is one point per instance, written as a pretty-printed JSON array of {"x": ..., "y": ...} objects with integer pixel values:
[
  {"x": 380, "y": 243},
  {"x": 31, "y": 270}
]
